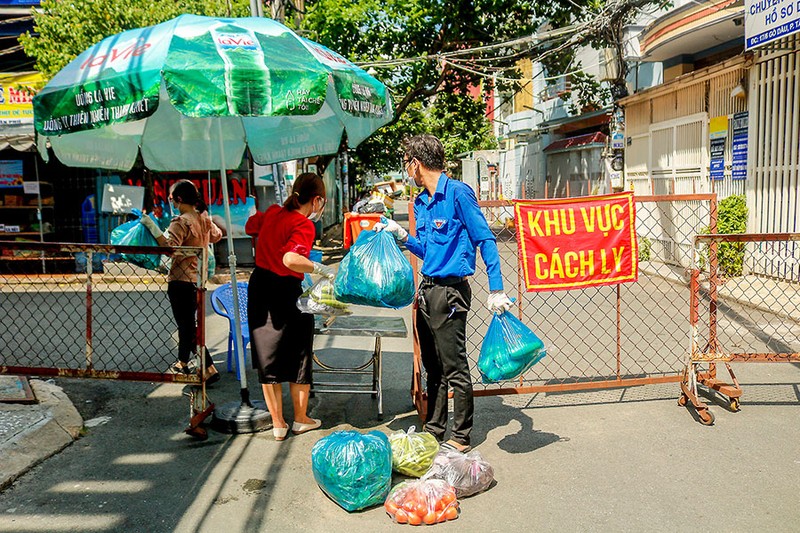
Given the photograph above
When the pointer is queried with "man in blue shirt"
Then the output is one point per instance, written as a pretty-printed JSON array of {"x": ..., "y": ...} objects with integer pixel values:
[{"x": 450, "y": 227}]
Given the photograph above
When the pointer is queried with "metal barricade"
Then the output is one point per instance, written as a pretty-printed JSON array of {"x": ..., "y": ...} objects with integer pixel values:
[
  {"x": 599, "y": 337},
  {"x": 744, "y": 307},
  {"x": 82, "y": 310}
]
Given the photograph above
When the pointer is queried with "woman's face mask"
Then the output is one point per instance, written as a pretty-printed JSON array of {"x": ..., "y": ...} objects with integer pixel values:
[{"x": 316, "y": 214}]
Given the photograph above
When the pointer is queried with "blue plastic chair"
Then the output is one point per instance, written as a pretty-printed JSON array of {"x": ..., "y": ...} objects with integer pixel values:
[{"x": 222, "y": 302}]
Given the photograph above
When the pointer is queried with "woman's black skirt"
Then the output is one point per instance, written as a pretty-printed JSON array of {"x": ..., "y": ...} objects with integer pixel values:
[{"x": 281, "y": 337}]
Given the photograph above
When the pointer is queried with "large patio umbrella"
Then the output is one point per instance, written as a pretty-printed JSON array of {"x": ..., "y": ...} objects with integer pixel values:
[{"x": 193, "y": 92}]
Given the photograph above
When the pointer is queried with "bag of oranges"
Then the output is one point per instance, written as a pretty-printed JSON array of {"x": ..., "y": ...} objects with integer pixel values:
[
  {"x": 428, "y": 501},
  {"x": 412, "y": 452}
]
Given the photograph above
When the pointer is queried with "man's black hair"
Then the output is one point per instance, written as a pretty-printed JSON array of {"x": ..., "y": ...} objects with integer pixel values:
[{"x": 426, "y": 149}]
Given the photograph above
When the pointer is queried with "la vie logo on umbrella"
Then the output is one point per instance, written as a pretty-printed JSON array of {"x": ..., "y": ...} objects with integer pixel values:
[
  {"x": 116, "y": 54},
  {"x": 236, "y": 40}
]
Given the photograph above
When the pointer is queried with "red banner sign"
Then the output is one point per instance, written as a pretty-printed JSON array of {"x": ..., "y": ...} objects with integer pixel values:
[{"x": 574, "y": 243}]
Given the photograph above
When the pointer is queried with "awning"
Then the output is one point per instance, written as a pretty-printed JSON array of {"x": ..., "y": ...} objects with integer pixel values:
[
  {"x": 21, "y": 143},
  {"x": 589, "y": 140}
]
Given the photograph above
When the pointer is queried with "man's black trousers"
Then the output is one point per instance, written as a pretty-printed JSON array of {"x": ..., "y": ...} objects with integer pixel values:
[{"x": 441, "y": 325}]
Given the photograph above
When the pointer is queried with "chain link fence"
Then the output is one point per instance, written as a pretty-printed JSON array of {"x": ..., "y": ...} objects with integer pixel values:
[
  {"x": 85, "y": 310},
  {"x": 599, "y": 337}
]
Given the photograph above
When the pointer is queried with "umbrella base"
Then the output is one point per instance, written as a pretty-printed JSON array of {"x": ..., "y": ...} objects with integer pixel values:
[{"x": 236, "y": 417}]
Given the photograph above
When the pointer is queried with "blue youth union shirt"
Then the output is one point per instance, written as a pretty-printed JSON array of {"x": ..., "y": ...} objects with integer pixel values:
[{"x": 450, "y": 226}]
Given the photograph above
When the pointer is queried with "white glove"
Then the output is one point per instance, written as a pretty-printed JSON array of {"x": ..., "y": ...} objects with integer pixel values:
[
  {"x": 498, "y": 302},
  {"x": 150, "y": 224},
  {"x": 324, "y": 270},
  {"x": 394, "y": 228}
]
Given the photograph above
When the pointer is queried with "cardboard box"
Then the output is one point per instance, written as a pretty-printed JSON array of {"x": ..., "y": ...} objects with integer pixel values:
[{"x": 12, "y": 200}]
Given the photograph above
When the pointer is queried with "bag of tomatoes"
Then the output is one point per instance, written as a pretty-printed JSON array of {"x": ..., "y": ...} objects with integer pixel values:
[
  {"x": 428, "y": 501},
  {"x": 468, "y": 473},
  {"x": 412, "y": 452}
]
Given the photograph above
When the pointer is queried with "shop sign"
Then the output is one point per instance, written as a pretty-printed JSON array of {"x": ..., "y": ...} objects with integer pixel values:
[
  {"x": 718, "y": 132},
  {"x": 574, "y": 243},
  {"x": 766, "y": 21},
  {"x": 118, "y": 199},
  {"x": 16, "y": 97}
]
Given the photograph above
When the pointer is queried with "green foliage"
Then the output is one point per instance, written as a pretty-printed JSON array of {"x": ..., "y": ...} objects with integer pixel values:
[
  {"x": 589, "y": 95},
  {"x": 645, "y": 245},
  {"x": 430, "y": 96},
  {"x": 65, "y": 29},
  {"x": 732, "y": 215},
  {"x": 458, "y": 120},
  {"x": 372, "y": 30}
]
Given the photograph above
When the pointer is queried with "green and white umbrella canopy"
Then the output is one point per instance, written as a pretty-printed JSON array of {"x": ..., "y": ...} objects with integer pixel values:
[
  {"x": 178, "y": 90},
  {"x": 192, "y": 93}
]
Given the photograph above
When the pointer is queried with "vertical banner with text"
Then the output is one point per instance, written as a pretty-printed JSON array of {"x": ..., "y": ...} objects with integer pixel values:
[{"x": 574, "y": 243}]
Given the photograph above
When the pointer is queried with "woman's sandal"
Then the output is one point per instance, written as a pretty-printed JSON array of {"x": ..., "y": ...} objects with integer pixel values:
[
  {"x": 177, "y": 368},
  {"x": 280, "y": 433},
  {"x": 299, "y": 428}
]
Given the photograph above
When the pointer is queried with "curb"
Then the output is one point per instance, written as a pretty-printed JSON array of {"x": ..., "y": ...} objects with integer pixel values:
[{"x": 56, "y": 425}]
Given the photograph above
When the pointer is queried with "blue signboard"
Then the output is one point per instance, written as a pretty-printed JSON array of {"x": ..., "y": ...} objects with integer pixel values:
[
  {"x": 739, "y": 146},
  {"x": 717, "y": 159}
]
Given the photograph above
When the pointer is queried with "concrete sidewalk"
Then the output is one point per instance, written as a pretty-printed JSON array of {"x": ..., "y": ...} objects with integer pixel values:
[{"x": 29, "y": 434}]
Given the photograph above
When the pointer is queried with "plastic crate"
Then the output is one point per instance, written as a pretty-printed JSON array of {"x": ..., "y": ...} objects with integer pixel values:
[{"x": 355, "y": 223}]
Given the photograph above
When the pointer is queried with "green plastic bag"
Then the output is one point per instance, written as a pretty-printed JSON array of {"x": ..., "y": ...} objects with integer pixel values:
[
  {"x": 133, "y": 233},
  {"x": 413, "y": 453},
  {"x": 509, "y": 349},
  {"x": 375, "y": 272},
  {"x": 353, "y": 469}
]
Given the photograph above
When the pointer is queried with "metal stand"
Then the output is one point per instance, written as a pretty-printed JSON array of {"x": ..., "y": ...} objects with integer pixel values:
[
  {"x": 375, "y": 390},
  {"x": 358, "y": 326}
]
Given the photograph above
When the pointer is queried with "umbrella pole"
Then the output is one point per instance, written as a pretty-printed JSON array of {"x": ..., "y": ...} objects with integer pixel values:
[
  {"x": 232, "y": 265},
  {"x": 243, "y": 416}
]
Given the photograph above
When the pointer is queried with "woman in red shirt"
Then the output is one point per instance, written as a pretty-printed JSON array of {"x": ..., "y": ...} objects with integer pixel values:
[{"x": 281, "y": 337}]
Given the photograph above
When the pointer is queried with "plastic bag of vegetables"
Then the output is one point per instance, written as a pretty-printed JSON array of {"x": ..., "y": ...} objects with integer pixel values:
[
  {"x": 375, "y": 272},
  {"x": 468, "y": 473},
  {"x": 412, "y": 452},
  {"x": 353, "y": 469},
  {"x": 319, "y": 300},
  {"x": 422, "y": 501},
  {"x": 509, "y": 349}
]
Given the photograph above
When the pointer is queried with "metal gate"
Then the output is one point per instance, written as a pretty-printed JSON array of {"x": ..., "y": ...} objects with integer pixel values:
[
  {"x": 82, "y": 310},
  {"x": 599, "y": 337},
  {"x": 737, "y": 313}
]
